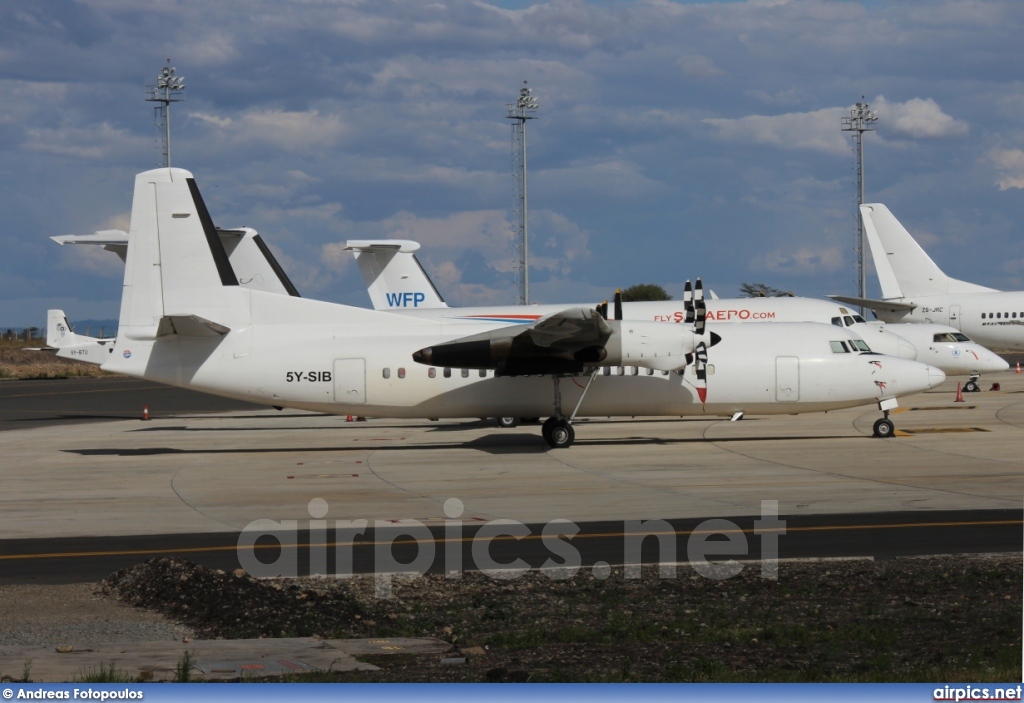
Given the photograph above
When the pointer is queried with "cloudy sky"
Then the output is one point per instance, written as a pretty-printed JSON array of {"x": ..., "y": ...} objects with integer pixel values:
[{"x": 674, "y": 139}]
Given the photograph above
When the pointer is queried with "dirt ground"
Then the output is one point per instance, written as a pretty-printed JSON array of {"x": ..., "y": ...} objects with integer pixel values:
[{"x": 926, "y": 619}]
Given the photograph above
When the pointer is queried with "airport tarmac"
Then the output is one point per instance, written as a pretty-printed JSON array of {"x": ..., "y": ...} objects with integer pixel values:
[{"x": 219, "y": 472}]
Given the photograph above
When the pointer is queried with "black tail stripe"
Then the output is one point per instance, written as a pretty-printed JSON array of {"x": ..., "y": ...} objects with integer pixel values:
[
  {"x": 220, "y": 256},
  {"x": 281, "y": 275}
]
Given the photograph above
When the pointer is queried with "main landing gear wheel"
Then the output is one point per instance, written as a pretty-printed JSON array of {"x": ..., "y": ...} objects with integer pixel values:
[
  {"x": 507, "y": 421},
  {"x": 884, "y": 427},
  {"x": 558, "y": 433},
  {"x": 971, "y": 387}
]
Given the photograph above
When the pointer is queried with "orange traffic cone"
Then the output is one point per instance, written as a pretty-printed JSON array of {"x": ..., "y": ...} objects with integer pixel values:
[
  {"x": 1018, "y": 367},
  {"x": 959, "y": 394},
  {"x": 349, "y": 418},
  {"x": 145, "y": 412}
]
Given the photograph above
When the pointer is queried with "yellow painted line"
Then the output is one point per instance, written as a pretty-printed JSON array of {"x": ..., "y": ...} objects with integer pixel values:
[
  {"x": 79, "y": 392},
  {"x": 941, "y": 430},
  {"x": 954, "y": 407},
  {"x": 509, "y": 538}
]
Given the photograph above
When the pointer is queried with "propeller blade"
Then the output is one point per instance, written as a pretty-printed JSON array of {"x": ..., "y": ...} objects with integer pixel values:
[
  {"x": 700, "y": 371},
  {"x": 602, "y": 309},
  {"x": 688, "y": 302},
  {"x": 698, "y": 290},
  {"x": 700, "y": 316},
  {"x": 618, "y": 304}
]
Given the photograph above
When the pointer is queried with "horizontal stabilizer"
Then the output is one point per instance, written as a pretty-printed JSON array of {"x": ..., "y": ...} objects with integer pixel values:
[
  {"x": 190, "y": 326},
  {"x": 114, "y": 240},
  {"x": 890, "y": 305},
  {"x": 404, "y": 246}
]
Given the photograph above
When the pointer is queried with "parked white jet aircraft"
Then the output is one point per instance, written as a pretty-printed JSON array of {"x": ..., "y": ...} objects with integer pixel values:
[
  {"x": 186, "y": 321},
  {"x": 397, "y": 282},
  {"x": 915, "y": 290}
]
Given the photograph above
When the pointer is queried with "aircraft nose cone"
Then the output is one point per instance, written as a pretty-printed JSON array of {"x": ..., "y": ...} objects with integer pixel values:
[
  {"x": 998, "y": 363},
  {"x": 935, "y": 376}
]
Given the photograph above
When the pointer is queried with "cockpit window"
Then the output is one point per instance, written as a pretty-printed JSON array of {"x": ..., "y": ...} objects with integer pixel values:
[
  {"x": 858, "y": 318},
  {"x": 944, "y": 337},
  {"x": 837, "y": 321},
  {"x": 848, "y": 319},
  {"x": 961, "y": 337},
  {"x": 861, "y": 345},
  {"x": 839, "y": 348}
]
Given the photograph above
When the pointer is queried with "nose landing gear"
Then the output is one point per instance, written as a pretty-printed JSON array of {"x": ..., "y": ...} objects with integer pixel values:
[{"x": 884, "y": 427}]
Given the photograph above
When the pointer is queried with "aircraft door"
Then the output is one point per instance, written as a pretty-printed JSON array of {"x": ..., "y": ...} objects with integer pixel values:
[
  {"x": 787, "y": 379},
  {"x": 350, "y": 381},
  {"x": 954, "y": 316}
]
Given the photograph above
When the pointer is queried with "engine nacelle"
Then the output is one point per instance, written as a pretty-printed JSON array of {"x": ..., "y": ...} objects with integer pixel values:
[{"x": 652, "y": 345}]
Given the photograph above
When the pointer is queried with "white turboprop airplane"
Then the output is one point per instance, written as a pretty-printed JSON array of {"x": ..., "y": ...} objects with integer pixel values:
[
  {"x": 915, "y": 290},
  {"x": 186, "y": 321},
  {"x": 396, "y": 281}
]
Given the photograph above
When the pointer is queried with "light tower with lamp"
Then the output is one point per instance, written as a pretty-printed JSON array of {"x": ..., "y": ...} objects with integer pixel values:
[
  {"x": 525, "y": 108},
  {"x": 169, "y": 88},
  {"x": 861, "y": 120}
]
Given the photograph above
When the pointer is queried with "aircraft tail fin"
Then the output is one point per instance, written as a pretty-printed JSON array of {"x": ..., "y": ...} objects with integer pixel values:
[
  {"x": 394, "y": 277},
  {"x": 904, "y": 269},
  {"x": 176, "y": 266},
  {"x": 59, "y": 333}
]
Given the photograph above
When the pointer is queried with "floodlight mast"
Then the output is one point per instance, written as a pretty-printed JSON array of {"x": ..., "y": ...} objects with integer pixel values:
[
  {"x": 519, "y": 112},
  {"x": 169, "y": 88},
  {"x": 861, "y": 120}
]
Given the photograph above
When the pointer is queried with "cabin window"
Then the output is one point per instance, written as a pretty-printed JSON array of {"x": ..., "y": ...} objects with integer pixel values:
[
  {"x": 607, "y": 371},
  {"x": 401, "y": 372},
  {"x": 665, "y": 373},
  {"x": 483, "y": 373},
  {"x": 999, "y": 315},
  {"x": 839, "y": 348},
  {"x": 465, "y": 373},
  {"x": 982, "y": 316},
  {"x": 431, "y": 372},
  {"x": 635, "y": 371},
  {"x": 621, "y": 370},
  {"x": 387, "y": 373},
  {"x": 1015, "y": 314},
  {"x": 447, "y": 373},
  {"x": 650, "y": 372}
]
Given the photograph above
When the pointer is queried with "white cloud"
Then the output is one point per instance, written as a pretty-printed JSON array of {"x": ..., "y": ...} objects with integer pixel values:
[
  {"x": 917, "y": 118},
  {"x": 290, "y": 130},
  {"x": 696, "y": 66},
  {"x": 817, "y": 130},
  {"x": 1010, "y": 164},
  {"x": 95, "y": 142},
  {"x": 805, "y": 260}
]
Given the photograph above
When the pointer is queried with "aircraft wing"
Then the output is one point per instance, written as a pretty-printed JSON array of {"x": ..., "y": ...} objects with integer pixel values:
[
  {"x": 558, "y": 343},
  {"x": 890, "y": 305}
]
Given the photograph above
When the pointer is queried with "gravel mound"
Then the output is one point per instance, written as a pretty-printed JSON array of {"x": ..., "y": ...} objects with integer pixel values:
[{"x": 218, "y": 604}]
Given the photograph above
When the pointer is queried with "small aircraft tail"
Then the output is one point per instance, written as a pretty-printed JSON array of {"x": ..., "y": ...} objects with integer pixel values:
[
  {"x": 63, "y": 342},
  {"x": 904, "y": 269},
  {"x": 394, "y": 277}
]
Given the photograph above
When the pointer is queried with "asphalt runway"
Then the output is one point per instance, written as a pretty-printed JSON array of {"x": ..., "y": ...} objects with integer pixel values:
[
  {"x": 83, "y": 498},
  {"x": 875, "y": 535},
  {"x": 45, "y": 403}
]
